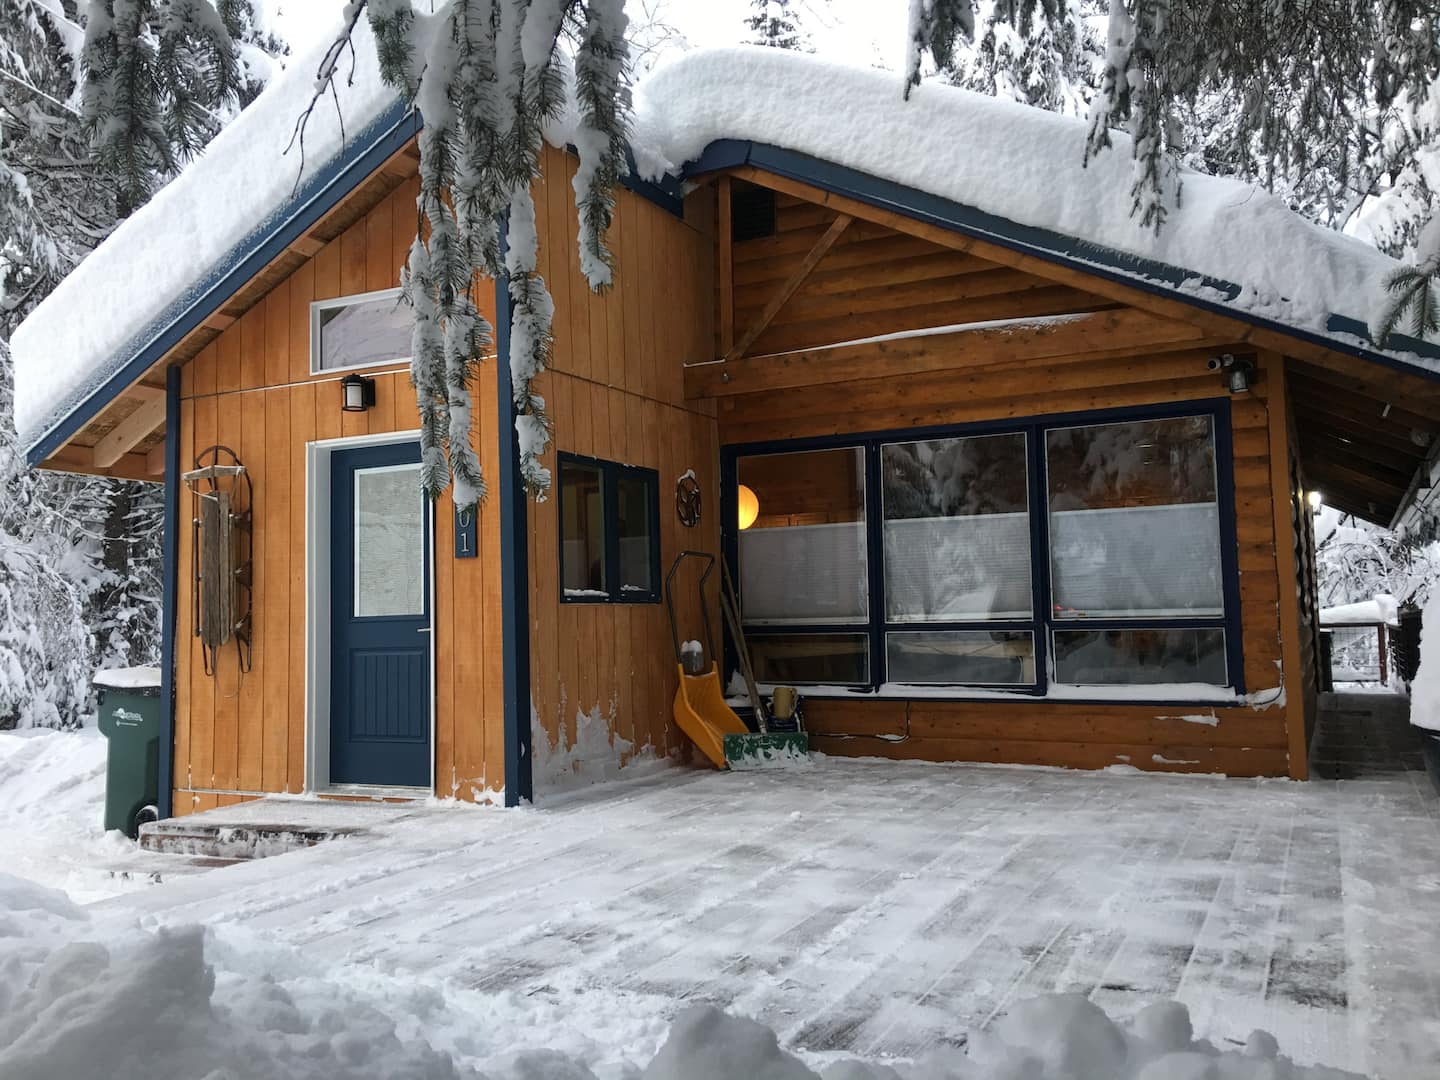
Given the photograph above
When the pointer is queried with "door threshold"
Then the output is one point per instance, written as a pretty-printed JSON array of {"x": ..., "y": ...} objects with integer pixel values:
[{"x": 378, "y": 792}]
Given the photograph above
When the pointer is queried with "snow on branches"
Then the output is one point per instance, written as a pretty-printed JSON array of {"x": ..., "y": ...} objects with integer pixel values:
[{"x": 487, "y": 76}]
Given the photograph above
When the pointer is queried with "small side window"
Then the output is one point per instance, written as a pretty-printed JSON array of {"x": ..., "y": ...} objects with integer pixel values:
[
  {"x": 364, "y": 331},
  {"x": 609, "y": 532}
]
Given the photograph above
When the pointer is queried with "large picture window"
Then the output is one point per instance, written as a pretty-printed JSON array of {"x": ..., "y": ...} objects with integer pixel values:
[{"x": 1050, "y": 553}]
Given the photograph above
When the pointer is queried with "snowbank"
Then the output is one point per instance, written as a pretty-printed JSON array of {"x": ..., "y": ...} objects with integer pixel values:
[
  {"x": 1425, "y": 688},
  {"x": 154, "y": 1005},
  {"x": 52, "y": 792},
  {"x": 1383, "y": 609},
  {"x": 149, "y": 268},
  {"x": 1006, "y": 159},
  {"x": 129, "y": 678}
]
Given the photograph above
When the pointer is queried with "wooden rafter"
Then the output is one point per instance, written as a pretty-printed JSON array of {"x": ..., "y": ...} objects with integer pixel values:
[
  {"x": 129, "y": 433},
  {"x": 1217, "y": 325},
  {"x": 1091, "y": 334},
  {"x": 786, "y": 291},
  {"x": 725, "y": 230}
]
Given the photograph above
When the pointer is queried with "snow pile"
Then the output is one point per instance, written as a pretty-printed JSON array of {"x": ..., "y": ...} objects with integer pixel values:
[
  {"x": 129, "y": 678},
  {"x": 1056, "y": 1037},
  {"x": 154, "y": 1005},
  {"x": 1425, "y": 688},
  {"x": 1384, "y": 608},
  {"x": 147, "y": 271},
  {"x": 52, "y": 790},
  {"x": 146, "y": 1005},
  {"x": 1006, "y": 159}
]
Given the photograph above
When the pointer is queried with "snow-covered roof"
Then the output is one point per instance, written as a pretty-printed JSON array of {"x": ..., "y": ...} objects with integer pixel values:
[
  {"x": 1018, "y": 163},
  {"x": 1228, "y": 245},
  {"x": 152, "y": 267},
  {"x": 1382, "y": 609}
]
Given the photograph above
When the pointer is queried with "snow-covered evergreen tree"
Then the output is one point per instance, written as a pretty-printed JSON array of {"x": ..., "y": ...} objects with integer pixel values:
[
  {"x": 1325, "y": 102},
  {"x": 776, "y": 23},
  {"x": 79, "y": 556},
  {"x": 1051, "y": 66},
  {"x": 487, "y": 76}
]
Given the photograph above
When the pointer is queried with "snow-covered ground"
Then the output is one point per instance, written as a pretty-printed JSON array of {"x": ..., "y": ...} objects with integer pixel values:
[
  {"x": 52, "y": 798},
  {"x": 882, "y": 911}
]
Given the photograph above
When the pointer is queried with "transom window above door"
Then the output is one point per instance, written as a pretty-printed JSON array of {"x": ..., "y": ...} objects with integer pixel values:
[
  {"x": 1046, "y": 552},
  {"x": 362, "y": 331}
]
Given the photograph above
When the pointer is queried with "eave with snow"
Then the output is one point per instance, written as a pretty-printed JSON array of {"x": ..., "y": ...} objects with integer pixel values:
[{"x": 791, "y": 278}]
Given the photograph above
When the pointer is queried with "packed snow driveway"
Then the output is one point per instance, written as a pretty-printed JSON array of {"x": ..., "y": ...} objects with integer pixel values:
[{"x": 866, "y": 909}]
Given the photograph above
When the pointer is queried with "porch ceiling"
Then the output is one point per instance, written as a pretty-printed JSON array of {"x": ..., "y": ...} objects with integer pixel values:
[{"x": 1360, "y": 444}]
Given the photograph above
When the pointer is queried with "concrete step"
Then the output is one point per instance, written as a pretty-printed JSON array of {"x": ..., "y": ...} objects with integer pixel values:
[{"x": 264, "y": 827}]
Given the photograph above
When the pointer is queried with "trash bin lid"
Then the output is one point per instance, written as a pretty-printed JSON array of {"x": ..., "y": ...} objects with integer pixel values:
[{"x": 144, "y": 681}]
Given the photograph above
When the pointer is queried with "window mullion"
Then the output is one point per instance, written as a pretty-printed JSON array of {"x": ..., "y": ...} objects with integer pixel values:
[
  {"x": 610, "y": 504},
  {"x": 875, "y": 562}
]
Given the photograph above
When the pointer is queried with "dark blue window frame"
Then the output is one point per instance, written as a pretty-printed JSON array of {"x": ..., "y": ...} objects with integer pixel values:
[
  {"x": 1040, "y": 625},
  {"x": 611, "y": 472}
]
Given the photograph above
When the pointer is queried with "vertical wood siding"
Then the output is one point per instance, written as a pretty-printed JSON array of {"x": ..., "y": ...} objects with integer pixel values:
[
  {"x": 251, "y": 389},
  {"x": 615, "y": 391}
]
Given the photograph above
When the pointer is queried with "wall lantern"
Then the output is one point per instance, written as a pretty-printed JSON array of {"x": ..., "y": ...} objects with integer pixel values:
[
  {"x": 1238, "y": 371},
  {"x": 1316, "y": 500},
  {"x": 357, "y": 393},
  {"x": 748, "y": 508}
]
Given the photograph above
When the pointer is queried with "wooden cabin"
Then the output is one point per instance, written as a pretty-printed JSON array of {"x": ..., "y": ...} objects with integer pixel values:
[{"x": 1000, "y": 503}]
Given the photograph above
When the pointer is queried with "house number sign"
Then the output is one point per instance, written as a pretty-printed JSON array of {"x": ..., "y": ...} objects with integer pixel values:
[{"x": 465, "y": 534}]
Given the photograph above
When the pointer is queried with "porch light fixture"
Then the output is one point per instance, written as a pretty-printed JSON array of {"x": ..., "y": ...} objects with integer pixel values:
[
  {"x": 1316, "y": 500},
  {"x": 1238, "y": 371},
  {"x": 748, "y": 509},
  {"x": 357, "y": 393}
]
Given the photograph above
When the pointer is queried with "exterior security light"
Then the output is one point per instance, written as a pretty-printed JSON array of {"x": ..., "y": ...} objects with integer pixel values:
[
  {"x": 357, "y": 393},
  {"x": 1238, "y": 371},
  {"x": 748, "y": 508},
  {"x": 1315, "y": 499}
]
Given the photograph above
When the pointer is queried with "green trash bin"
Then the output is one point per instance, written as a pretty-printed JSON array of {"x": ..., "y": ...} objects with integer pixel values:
[{"x": 130, "y": 721}]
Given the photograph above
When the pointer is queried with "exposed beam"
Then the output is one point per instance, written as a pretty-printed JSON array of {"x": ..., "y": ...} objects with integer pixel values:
[
  {"x": 778, "y": 301},
  {"x": 308, "y": 246},
  {"x": 1401, "y": 425},
  {"x": 1218, "y": 325},
  {"x": 1099, "y": 333},
  {"x": 81, "y": 459},
  {"x": 129, "y": 432},
  {"x": 144, "y": 392},
  {"x": 218, "y": 320},
  {"x": 725, "y": 235},
  {"x": 1318, "y": 434}
]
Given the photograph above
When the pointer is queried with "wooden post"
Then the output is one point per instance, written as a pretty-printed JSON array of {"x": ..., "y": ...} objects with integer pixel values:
[
  {"x": 727, "y": 269},
  {"x": 1381, "y": 632},
  {"x": 1282, "y": 499}
]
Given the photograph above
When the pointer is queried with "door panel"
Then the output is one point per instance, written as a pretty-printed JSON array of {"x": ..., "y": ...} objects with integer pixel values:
[{"x": 380, "y": 618}]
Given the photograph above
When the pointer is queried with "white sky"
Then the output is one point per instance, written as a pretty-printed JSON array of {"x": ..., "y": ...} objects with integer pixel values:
[{"x": 863, "y": 32}]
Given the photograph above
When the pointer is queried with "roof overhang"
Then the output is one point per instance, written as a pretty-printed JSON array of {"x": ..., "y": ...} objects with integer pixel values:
[{"x": 1371, "y": 383}]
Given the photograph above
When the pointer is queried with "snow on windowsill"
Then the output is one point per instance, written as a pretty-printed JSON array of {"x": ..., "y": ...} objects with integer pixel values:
[{"x": 1153, "y": 693}]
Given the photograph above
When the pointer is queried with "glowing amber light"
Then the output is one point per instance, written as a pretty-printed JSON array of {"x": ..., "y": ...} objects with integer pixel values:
[{"x": 749, "y": 507}]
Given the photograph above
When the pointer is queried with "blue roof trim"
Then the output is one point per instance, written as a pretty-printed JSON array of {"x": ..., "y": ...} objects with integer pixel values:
[
  {"x": 668, "y": 192},
  {"x": 318, "y": 194},
  {"x": 1155, "y": 277}
]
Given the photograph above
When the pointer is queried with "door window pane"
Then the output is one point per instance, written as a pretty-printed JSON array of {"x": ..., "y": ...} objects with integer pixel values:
[
  {"x": 836, "y": 659},
  {"x": 1134, "y": 519},
  {"x": 389, "y": 541},
  {"x": 363, "y": 333},
  {"x": 1096, "y": 657},
  {"x": 971, "y": 657},
  {"x": 582, "y": 539},
  {"x": 636, "y": 495},
  {"x": 957, "y": 530},
  {"x": 803, "y": 559}
]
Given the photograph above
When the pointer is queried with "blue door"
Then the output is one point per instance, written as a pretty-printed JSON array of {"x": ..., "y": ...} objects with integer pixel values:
[{"x": 380, "y": 618}]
